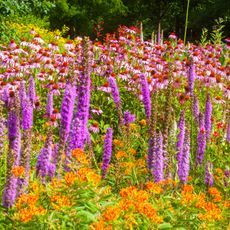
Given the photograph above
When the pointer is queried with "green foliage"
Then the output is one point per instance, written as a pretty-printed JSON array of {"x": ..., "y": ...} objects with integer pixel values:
[{"x": 82, "y": 16}]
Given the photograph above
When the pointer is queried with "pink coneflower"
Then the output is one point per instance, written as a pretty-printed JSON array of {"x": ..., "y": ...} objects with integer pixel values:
[
  {"x": 173, "y": 36},
  {"x": 94, "y": 127},
  {"x": 96, "y": 111}
]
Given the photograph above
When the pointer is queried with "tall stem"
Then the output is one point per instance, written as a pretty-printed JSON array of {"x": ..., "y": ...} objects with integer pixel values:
[{"x": 186, "y": 21}]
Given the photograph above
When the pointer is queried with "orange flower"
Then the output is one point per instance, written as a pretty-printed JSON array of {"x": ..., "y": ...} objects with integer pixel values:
[
  {"x": 188, "y": 198},
  {"x": 127, "y": 192},
  {"x": 100, "y": 225},
  {"x": 80, "y": 156},
  {"x": 200, "y": 201},
  {"x": 121, "y": 154},
  {"x": 126, "y": 204},
  {"x": 18, "y": 171},
  {"x": 226, "y": 204},
  {"x": 148, "y": 210},
  {"x": 70, "y": 178},
  {"x": 27, "y": 199},
  {"x": 187, "y": 188},
  {"x": 59, "y": 201},
  {"x": 155, "y": 188},
  {"x": 55, "y": 183},
  {"x": 118, "y": 143},
  {"x": 132, "y": 151},
  {"x": 212, "y": 212},
  {"x": 141, "y": 196},
  {"x": 111, "y": 213},
  {"x": 215, "y": 194},
  {"x": 219, "y": 171},
  {"x": 143, "y": 122},
  {"x": 26, "y": 214}
]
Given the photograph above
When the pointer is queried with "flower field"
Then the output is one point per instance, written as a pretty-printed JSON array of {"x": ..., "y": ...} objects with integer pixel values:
[{"x": 120, "y": 134}]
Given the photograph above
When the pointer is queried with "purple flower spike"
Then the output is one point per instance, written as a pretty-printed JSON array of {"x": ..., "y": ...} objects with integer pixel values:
[
  {"x": 180, "y": 137},
  {"x": 107, "y": 153},
  {"x": 31, "y": 91},
  {"x": 44, "y": 158},
  {"x": 49, "y": 105},
  {"x": 228, "y": 133},
  {"x": 183, "y": 163},
  {"x": 78, "y": 131},
  {"x": 150, "y": 157},
  {"x": 128, "y": 117},
  {"x": 201, "y": 141},
  {"x": 146, "y": 95},
  {"x": 196, "y": 109},
  {"x": 10, "y": 192},
  {"x": 209, "y": 175},
  {"x": 191, "y": 78},
  {"x": 2, "y": 133},
  {"x": 208, "y": 117},
  {"x": 115, "y": 92},
  {"x": 67, "y": 111},
  {"x": 27, "y": 113},
  {"x": 13, "y": 156},
  {"x": 158, "y": 169}
]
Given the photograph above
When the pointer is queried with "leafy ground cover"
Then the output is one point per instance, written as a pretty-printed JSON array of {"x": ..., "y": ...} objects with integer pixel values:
[{"x": 124, "y": 134}]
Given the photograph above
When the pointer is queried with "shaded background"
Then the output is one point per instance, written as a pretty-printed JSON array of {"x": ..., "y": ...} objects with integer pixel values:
[{"x": 98, "y": 17}]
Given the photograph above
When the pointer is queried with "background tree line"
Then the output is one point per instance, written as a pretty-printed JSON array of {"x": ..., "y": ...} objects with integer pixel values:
[{"x": 97, "y": 17}]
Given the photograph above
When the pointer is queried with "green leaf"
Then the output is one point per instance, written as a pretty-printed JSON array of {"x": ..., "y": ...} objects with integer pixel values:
[{"x": 165, "y": 226}]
